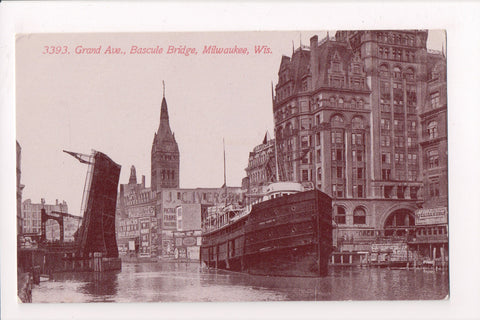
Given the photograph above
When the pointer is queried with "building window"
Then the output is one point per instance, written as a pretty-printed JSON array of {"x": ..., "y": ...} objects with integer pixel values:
[
  {"x": 359, "y": 156},
  {"x": 358, "y": 191},
  {"x": 339, "y": 171},
  {"x": 387, "y": 191},
  {"x": 386, "y": 157},
  {"x": 337, "y": 155},
  {"x": 385, "y": 87},
  {"x": 413, "y": 192},
  {"x": 433, "y": 158},
  {"x": 401, "y": 192},
  {"x": 435, "y": 100},
  {"x": 337, "y": 137},
  {"x": 385, "y": 124},
  {"x": 341, "y": 216},
  {"x": 434, "y": 189},
  {"x": 337, "y": 121},
  {"x": 385, "y": 174},
  {"x": 409, "y": 74},
  {"x": 397, "y": 73},
  {"x": 412, "y": 175},
  {"x": 412, "y": 126},
  {"x": 399, "y": 142},
  {"x": 385, "y": 141},
  {"x": 304, "y": 175},
  {"x": 432, "y": 130},
  {"x": 337, "y": 190},
  {"x": 359, "y": 216},
  {"x": 359, "y": 173},
  {"x": 357, "y": 139},
  {"x": 304, "y": 140}
]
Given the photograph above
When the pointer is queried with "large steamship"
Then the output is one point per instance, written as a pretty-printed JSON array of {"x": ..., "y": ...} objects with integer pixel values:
[{"x": 286, "y": 232}]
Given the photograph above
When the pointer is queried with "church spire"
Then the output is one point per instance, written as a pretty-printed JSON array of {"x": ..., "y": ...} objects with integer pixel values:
[{"x": 164, "y": 126}]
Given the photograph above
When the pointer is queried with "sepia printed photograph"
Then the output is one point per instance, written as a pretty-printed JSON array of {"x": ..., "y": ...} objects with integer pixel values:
[
  {"x": 232, "y": 166},
  {"x": 242, "y": 164}
]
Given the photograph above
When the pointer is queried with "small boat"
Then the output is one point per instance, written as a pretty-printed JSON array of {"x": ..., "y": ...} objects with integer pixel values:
[{"x": 286, "y": 232}]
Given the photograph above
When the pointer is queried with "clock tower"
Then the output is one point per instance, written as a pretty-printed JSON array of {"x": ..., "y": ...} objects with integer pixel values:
[{"x": 165, "y": 164}]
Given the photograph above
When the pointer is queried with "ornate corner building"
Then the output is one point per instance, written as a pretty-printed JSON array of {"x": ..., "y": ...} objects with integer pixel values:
[{"x": 355, "y": 115}]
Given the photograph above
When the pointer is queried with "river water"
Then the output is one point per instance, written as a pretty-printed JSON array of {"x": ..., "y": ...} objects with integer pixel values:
[{"x": 187, "y": 282}]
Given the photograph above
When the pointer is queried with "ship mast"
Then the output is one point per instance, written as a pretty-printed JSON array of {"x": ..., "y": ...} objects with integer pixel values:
[{"x": 224, "y": 172}]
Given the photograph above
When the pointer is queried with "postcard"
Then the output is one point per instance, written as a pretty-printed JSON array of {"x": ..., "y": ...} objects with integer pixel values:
[
  {"x": 167, "y": 166},
  {"x": 232, "y": 166}
]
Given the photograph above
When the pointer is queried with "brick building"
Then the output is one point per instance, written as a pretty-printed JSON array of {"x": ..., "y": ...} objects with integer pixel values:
[{"x": 349, "y": 114}]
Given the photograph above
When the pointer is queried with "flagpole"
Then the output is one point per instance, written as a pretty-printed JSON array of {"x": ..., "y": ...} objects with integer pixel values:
[
  {"x": 275, "y": 136},
  {"x": 224, "y": 171}
]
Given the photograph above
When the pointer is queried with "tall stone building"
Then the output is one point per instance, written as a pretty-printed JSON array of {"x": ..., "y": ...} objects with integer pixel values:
[
  {"x": 261, "y": 169},
  {"x": 347, "y": 118},
  {"x": 165, "y": 161}
]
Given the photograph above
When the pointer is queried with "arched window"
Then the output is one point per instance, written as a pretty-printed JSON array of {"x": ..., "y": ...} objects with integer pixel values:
[
  {"x": 288, "y": 129},
  {"x": 336, "y": 121},
  {"x": 341, "y": 216},
  {"x": 359, "y": 216},
  {"x": 340, "y": 102},
  {"x": 399, "y": 223},
  {"x": 409, "y": 74},
  {"x": 360, "y": 104},
  {"x": 397, "y": 73},
  {"x": 384, "y": 71}
]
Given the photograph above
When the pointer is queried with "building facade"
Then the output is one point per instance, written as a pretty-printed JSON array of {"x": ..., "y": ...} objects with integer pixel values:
[
  {"x": 431, "y": 238},
  {"x": 261, "y": 169},
  {"x": 348, "y": 118}
]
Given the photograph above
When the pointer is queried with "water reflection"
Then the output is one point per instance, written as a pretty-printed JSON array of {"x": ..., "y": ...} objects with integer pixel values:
[{"x": 177, "y": 282}]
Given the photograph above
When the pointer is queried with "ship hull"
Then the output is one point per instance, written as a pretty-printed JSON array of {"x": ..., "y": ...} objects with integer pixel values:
[{"x": 286, "y": 236}]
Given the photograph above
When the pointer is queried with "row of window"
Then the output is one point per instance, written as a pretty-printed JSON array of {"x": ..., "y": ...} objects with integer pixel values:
[
  {"x": 359, "y": 216},
  {"x": 396, "y": 73},
  {"x": 396, "y": 38},
  {"x": 398, "y": 54},
  {"x": 399, "y": 158},
  {"x": 168, "y": 174}
]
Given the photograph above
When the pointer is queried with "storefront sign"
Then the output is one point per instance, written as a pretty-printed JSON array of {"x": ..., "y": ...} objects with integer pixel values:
[
  {"x": 127, "y": 234},
  {"x": 190, "y": 241},
  {"x": 139, "y": 212},
  {"x": 431, "y": 216}
]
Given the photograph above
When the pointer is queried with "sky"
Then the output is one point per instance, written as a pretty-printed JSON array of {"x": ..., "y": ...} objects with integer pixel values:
[{"x": 111, "y": 103}]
